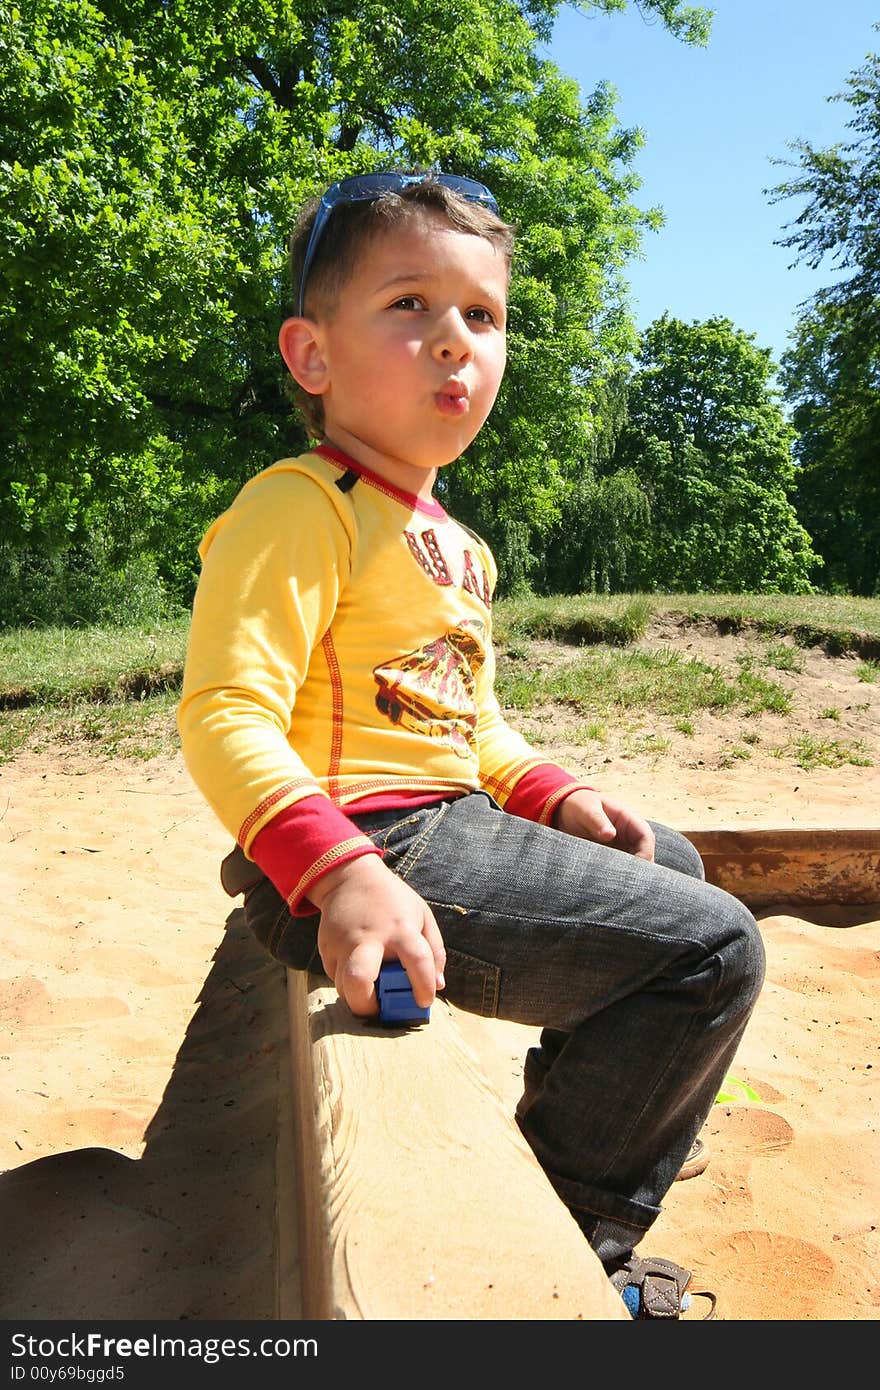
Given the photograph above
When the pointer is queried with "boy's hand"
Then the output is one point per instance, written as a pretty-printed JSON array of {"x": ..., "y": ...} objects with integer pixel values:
[
  {"x": 594, "y": 816},
  {"x": 369, "y": 915}
]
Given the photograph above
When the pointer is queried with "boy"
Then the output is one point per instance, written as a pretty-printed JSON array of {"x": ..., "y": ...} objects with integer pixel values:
[{"x": 338, "y": 713}]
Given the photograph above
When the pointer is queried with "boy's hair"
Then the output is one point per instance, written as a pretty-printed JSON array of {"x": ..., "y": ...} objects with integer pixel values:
[{"x": 351, "y": 228}]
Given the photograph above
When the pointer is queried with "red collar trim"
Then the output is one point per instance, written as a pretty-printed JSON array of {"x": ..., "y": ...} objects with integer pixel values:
[{"x": 431, "y": 508}]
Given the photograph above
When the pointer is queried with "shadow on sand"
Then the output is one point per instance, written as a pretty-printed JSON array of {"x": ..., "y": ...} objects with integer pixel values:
[{"x": 189, "y": 1229}]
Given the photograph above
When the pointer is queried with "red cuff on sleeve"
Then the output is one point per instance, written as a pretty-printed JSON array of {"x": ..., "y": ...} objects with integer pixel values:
[
  {"x": 303, "y": 842},
  {"x": 537, "y": 795}
]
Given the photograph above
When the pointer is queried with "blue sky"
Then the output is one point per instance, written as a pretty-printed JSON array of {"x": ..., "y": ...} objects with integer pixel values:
[{"x": 713, "y": 120}]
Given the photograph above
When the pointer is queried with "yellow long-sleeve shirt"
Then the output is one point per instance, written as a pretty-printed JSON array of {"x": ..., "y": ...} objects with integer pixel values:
[{"x": 341, "y": 646}]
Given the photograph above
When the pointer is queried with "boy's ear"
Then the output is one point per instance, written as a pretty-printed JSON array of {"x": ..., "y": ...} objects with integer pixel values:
[{"x": 300, "y": 344}]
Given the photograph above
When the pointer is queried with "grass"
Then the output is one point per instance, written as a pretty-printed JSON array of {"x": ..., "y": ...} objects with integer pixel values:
[
  {"x": 114, "y": 690},
  {"x": 60, "y": 666},
  {"x": 582, "y": 619},
  {"x": 110, "y": 690},
  {"x": 809, "y": 752},
  {"x": 785, "y": 657},
  {"x": 735, "y": 754},
  {"x": 839, "y": 623},
  {"x": 663, "y": 682},
  {"x": 120, "y": 728}
]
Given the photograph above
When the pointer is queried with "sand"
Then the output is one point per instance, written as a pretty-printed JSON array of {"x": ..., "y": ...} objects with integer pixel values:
[{"x": 143, "y": 1035}]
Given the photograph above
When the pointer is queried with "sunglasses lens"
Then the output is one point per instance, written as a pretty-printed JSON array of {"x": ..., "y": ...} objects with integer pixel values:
[
  {"x": 365, "y": 187},
  {"x": 469, "y": 188}
]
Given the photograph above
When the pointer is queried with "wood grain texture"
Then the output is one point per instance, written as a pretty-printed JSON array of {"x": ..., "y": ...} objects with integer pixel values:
[
  {"x": 417, "y": 1197},
  {"x": 764, "y": 866},
  {"x": 288, "y": 1288}
]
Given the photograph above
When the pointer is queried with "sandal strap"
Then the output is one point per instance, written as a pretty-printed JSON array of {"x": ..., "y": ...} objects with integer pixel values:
[{"x": 661, "y": 1285}]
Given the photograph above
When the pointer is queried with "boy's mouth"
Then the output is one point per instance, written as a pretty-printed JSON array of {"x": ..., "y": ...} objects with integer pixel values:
[{"x": 452, "y": 399}]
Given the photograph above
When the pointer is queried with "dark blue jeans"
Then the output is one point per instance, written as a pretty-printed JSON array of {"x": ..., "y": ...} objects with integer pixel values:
[{"x": 641, "y": 977}]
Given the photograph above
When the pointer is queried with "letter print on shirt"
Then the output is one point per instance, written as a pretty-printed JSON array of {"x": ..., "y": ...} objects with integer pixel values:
[
  {"x": 428, "y": 555},
  {"x": 431, "y": 557},
  {"x": 471, "y": 584}
]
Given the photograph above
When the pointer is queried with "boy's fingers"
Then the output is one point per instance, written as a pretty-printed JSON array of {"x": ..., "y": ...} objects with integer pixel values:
[
  {"x": 438, "y": 950},
  {"x": 633, "y": 834},
  {"x": 419, "y": 961},
  {"x": 600, "y": 828},
  {"x": 600, "y": 825},
  {"x": 356, "y": 980},
  {"x": 646, "y": 848},
  {"x": 637, "y": 836}
]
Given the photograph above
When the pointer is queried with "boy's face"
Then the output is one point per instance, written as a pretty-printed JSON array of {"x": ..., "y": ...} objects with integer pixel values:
[{"x": 413, "y": 351}]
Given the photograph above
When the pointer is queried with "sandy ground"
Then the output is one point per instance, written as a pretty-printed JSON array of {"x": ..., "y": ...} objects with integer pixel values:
[{"x": 142, "y": 1036}]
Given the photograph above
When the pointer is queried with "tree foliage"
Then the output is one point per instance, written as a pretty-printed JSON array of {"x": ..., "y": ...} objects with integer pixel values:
[
  {"x": 604, "y": 511},
  {"x": 707, "y": 437},
  {"x": 152, "y": 158},
  {"x": 833, "y": 380},
  {"x": 831, "y": 373}
]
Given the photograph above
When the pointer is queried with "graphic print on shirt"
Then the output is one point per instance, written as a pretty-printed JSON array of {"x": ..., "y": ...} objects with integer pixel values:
[{"x": 432, "y": 690}]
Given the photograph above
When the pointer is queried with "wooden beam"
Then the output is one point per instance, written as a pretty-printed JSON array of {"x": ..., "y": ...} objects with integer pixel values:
[
  {"x": 416, "y": 1195},
  {"x": 761, "y": 867}
]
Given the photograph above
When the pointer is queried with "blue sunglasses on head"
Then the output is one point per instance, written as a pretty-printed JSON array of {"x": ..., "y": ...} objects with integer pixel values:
[{"x": 366, "y": 188}]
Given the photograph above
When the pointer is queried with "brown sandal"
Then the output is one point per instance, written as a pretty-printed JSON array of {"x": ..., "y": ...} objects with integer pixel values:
[
  {"x": 696, "y": 1162},
  {"x": 655, "y": 1288}
]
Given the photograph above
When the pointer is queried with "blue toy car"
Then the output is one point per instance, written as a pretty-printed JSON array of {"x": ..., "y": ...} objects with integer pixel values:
[{"x": 396, "y": 1003}]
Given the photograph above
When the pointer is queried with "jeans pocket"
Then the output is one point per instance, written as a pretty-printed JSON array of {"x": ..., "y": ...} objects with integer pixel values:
[
  {"x": 472, "y": 984},
  {"x": 405, "y": 841}
]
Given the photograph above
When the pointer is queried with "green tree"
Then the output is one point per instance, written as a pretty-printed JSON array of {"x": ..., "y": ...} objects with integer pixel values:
[
  {"x": 151, "y": 160},
  {"x": 831, "y": 373},
  {"x": 707, "y": 437},
  {"x": 832, "y": 379},
  {"x": 605, "y": 511},
  {"x": 119, "y": 309}
]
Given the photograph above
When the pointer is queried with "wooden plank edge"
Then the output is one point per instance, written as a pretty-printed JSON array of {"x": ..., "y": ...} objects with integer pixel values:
[
  {"x": 416, "y": 1196},
  {"x": 288, "y": 1283},
  {"x": 309, "y": 1216},
  {"x": 762, "y": 866}
]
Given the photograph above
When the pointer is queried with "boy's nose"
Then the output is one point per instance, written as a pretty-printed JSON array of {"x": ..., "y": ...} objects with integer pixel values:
[{"x": 452, "y": 342}]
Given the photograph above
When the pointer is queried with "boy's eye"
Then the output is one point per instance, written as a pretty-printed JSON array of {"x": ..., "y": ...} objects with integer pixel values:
[
  {"x": 481, "y": 315},
  {"x": 408, "y": 301}
]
